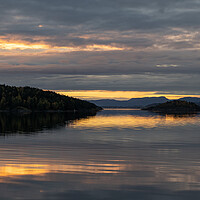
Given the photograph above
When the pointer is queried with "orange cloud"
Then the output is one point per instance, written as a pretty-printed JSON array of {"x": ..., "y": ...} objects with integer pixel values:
[
  {"x": 10, "y": 46},
  {"x": 13, "y": 44}
]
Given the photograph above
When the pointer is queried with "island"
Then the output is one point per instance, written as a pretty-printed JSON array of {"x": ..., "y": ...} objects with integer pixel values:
[
  {"x": 174, "y": 107},
  {"x": 28, "y": 99}
]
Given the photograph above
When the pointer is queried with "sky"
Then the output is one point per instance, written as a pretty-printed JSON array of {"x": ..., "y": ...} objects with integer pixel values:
[{"x": 143, "y": 47}]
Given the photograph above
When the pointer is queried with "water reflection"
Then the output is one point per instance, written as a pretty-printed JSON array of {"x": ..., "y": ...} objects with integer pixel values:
[
  {"x": 29, "y": 123},
  {"x": 135, "y": 119},
  {"x": 104, "y": 158},
  {"x": 14, "y": 170},
  {"x": 122, "y": 119}
]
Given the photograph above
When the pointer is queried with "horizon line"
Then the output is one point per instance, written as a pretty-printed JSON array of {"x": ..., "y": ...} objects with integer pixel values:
[{"x": 120, "y": 95}]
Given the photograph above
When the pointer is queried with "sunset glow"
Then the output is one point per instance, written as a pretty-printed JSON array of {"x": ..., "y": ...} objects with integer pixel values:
[
  {"x": 15, "y": 44},
  {"x": 21, "y": 45},
  {"x": 102, "y": 48},
  {"x": 118, "y": 95},
  {"x": 99, "y": 99}
]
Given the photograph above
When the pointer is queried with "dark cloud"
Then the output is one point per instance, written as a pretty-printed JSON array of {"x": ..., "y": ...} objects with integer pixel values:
[
  {"x": 112, "y": 62},
  {"x": 149, "y": 33},
  {"x": 186, "y": 84},
  {"x": 92, "y": 15},
  {"x": 64, "y": 21}
]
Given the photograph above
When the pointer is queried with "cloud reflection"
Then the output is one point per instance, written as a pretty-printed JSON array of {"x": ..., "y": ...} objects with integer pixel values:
[{"x": 107, "y": 162}]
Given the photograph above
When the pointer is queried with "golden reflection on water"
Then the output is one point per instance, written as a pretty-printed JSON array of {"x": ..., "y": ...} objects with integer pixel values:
[
  {"x": 11, "y": 170},
  {"x": 161, "y": 173},
  {"x": 134, "y": 121},
  {"x": 106, "y": 166}
]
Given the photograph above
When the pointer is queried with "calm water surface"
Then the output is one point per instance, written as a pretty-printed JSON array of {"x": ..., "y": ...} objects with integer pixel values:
[{"x": 117, "y": 154}]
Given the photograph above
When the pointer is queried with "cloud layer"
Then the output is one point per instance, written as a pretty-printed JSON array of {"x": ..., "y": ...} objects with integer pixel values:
[{"x": 95, "y": 38}]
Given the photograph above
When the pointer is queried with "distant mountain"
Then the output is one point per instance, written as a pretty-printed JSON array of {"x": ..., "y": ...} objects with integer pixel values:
[
  {"x": 139, "y": 102},
  {"x": 131, "y": 103}
]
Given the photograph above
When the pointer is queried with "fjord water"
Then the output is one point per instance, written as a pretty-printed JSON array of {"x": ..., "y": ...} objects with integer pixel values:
[{"x": 117, "y": 154}]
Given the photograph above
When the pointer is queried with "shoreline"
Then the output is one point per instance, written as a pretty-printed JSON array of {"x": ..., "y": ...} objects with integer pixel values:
[{"x": 51, "y": 111}]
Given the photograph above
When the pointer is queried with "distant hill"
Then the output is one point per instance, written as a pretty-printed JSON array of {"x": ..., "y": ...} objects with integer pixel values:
[
  {"x": 190, "y": 99},
  {"x": 176, "y": 106},
  {"x": 138, "y": 102},
  {"x": 24, "y": 99},
  {"x": 131, "y": 103}
]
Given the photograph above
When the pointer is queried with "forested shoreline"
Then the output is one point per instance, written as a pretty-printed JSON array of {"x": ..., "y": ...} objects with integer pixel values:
[
  {"x": 175, "y": 106},
  {"x": 34, "y": 99}
]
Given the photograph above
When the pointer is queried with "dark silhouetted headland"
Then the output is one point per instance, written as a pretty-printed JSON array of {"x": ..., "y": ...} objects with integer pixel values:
[
  {"x": 175, "y": 106},
  {"x": 27, "y": 99}
]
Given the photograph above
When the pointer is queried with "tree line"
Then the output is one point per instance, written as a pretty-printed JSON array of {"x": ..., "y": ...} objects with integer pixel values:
[{"x": 36, "y": 99}]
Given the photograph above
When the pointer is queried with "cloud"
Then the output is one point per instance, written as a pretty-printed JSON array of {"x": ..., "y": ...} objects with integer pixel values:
[
  {"x": 60, "y": 20},
  {"x": 95, "y": 38},
  {"x": 132, "y": 24},
  {"x": 167, "y": 65},
  {"x": 183, "y": 84}
]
